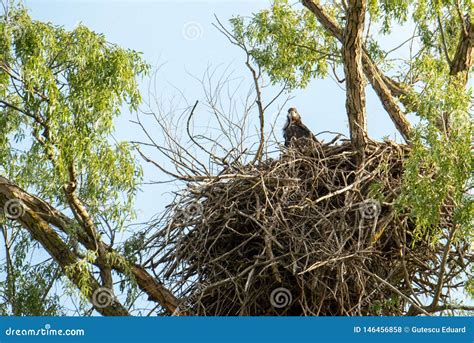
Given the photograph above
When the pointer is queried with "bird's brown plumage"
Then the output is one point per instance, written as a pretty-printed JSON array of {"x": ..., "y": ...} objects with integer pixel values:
[{"x": 294, "y": 129}]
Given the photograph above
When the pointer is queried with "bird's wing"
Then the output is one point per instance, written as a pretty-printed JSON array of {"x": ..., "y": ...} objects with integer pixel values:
[
  {"x": 307, "y": 132},
  {"x": 297, "y": 131},
  {"x": 300, "y": 130}
]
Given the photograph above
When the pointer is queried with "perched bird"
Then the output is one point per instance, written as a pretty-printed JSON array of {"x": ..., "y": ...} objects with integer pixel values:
[{"x": 294, "y": 129}]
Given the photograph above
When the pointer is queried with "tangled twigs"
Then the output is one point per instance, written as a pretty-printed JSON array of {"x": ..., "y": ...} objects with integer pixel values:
[{"x": 310, "y": 227}]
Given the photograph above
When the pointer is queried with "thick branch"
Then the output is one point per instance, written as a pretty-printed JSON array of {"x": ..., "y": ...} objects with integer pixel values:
[
  {"x": 83, "y": 216},
  {"x": 386, "y": 96},
  {"x": 79, "y": 210},
  {"x": 385, "y": 88},
  {"x": 463, "y": 59},
  {"x": 355, "y": 88},
  {"x": 42, "y": 232},
  {"x": 48, "y": 214}
]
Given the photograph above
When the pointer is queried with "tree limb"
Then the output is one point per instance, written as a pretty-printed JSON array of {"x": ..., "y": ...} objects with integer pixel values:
[
  {"x": 443, "y": 39},
  {"x": 463, "y": 59},
  {"x": 355, "y": 85},
  {"x": 384, "y": 87},
  {"x": 48, "y": 215},
  {"x": 42, "y": 232}
]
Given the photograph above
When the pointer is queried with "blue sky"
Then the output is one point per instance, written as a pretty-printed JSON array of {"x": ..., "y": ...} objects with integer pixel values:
[{"x": 179, "y": 37}]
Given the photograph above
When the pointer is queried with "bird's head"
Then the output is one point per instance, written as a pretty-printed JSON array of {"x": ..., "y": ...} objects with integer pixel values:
[{"x": 293, "y": 115}]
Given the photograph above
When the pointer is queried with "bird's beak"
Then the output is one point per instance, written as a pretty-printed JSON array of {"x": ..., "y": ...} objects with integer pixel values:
[{"x": 293, "y": 115}]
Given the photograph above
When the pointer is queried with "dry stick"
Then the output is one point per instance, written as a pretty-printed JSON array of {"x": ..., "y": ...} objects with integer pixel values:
[
  {"x": 395, "y": 289},
  {"x": 267, "y": 233},
  {"x": 256, "y": 77},
  {"x": 188, "y": 129},
  {"x": 377, "y": 288},
  {"x": 442, "y": 269},
  {"x": 322, "y": 263},
  {"x": 342, "y": 190}
]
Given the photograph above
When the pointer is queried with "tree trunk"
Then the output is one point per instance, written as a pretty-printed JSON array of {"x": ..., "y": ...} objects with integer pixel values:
[
  {"x": 355, "y": 82},
  {"x": 385, "y": 88}
]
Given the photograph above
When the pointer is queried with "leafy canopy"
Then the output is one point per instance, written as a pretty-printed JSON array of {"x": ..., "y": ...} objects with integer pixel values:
[
  {"x": 287, "y": 43},
  {"x": 60, "y": 92}
]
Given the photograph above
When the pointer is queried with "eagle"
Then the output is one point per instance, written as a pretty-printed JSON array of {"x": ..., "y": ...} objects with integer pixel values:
[{"x": 294, "y": 129}]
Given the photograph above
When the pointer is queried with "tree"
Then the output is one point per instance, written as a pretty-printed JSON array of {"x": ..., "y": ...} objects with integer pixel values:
[
  {"x": 62, "y": 180},
  {"x": 295, "y": 45},
  {"x": 59, "y": 94}
]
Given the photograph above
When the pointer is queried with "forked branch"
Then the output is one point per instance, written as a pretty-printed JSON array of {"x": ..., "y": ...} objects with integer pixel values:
[{"x": 385, "y": 88}]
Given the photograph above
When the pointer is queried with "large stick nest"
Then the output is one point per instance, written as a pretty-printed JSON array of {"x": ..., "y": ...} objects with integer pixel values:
[{"x": 310, "y": 233}]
